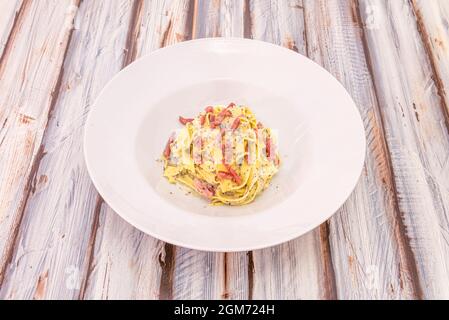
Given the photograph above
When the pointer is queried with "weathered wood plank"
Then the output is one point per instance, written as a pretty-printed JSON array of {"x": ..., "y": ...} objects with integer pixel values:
[
  {"x": 433, "y": 25},
  {"x": 198, "y": 275},
  {"x": 60, "y": 215},
  {"x": 277, "y": 22},
  {"x": 126, "y": 262},
  {"x": 297, "y": 269},
  {"x": 371, "y": 256},
  {"x": 208, "y": 275},
  {"x": 222, "y": 18},
  {"x": 416, "y": 134},
  {"x": 28, "y": 87},
  {"x": 9, "y": 10}
]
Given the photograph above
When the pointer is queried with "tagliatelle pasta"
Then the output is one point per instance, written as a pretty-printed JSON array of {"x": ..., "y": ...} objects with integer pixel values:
[{"x": 224, "y": 154}]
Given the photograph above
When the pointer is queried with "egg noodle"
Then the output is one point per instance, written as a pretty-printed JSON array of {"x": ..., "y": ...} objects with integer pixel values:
[{"x": 224, "y": 154}]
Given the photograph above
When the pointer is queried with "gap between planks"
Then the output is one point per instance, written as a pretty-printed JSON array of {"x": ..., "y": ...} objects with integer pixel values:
[
  {"x": 399, "y": 228},
  {"x": 20, "y": 14},
  {"x": 415, "y": 249}
]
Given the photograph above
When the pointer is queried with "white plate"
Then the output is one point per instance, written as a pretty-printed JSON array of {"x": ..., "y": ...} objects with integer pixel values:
[{"x": 321, "y": 136}]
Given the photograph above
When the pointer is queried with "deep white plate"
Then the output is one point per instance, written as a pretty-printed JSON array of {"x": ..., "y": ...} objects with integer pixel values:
[{"x": 321, "y": 136}]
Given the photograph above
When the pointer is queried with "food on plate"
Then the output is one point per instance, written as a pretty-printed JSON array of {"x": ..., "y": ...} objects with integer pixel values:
[{"x": 224, "y": 154}]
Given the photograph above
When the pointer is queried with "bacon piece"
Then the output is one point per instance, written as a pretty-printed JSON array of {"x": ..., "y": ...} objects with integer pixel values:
[
  {"x": 234, "y": 174},
  {"x": 204, "y": 188},
  {"x": 235, "y": 124},
  {"x": 202, "y": 120},
  {"x": 224, "y": 176},
  {"x": 225, "y": 113},
  {"x": 221, "y": 116},
  {"x": 184, "y": 121},
  {"x": 216, "y": 122},
  {"x": 223, "y": 152},
  {"x": 167, "y": 149},
  {"x": 268, "y": 147},
  {"x": 212, "y": 121},
  {"x": 209, "y": 109},
  {"x": 231, "y": 105}
]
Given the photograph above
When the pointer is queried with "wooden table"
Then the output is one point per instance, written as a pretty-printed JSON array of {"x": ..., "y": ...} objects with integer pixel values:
[{"x": 60, "y": 240}]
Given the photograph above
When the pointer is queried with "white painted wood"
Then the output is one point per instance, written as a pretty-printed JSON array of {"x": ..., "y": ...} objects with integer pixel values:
[
  {"x": 58, "y": 224},
  {"x": 126, "y": 262},
  {"x": 9, "y": 10},
  {"x": 370, "y": 255},
  {"x": 163, "y": 22},
  {"x": 279, "y": 22},
  {"x": 219, "y": 19},
  {"x": 198, "y": 275},
  {"x": 26, "y": 97},
  {"x": 210, "y": 275},
  {"x": 293, "y": 270},
  {"x": 416, "y": 134},
  {"x": 433, "y": 17}
]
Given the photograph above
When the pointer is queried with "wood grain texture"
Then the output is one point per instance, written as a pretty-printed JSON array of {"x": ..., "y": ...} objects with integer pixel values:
[
  {"x": 416, "y": 134},
  {"x": 297, "y": 269},
  {"x": 59, "y": 216},
  {"x": 28, "y": 89},
  {"x": 433, "y": 24},
  {"x": 128, "y": 263},
  {"x": 219, "y": 18},
  {"x": 9, "y": 12},
  {"x": 372, "y": 259},
  {"x": 209, "y": 275}
]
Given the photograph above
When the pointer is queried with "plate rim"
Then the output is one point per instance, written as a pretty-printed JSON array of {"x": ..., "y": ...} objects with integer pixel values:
[{"x": 105, "y": 195}]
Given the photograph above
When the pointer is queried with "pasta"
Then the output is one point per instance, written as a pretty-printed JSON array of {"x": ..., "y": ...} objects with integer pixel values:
[{"x": 223, "y": 154}]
